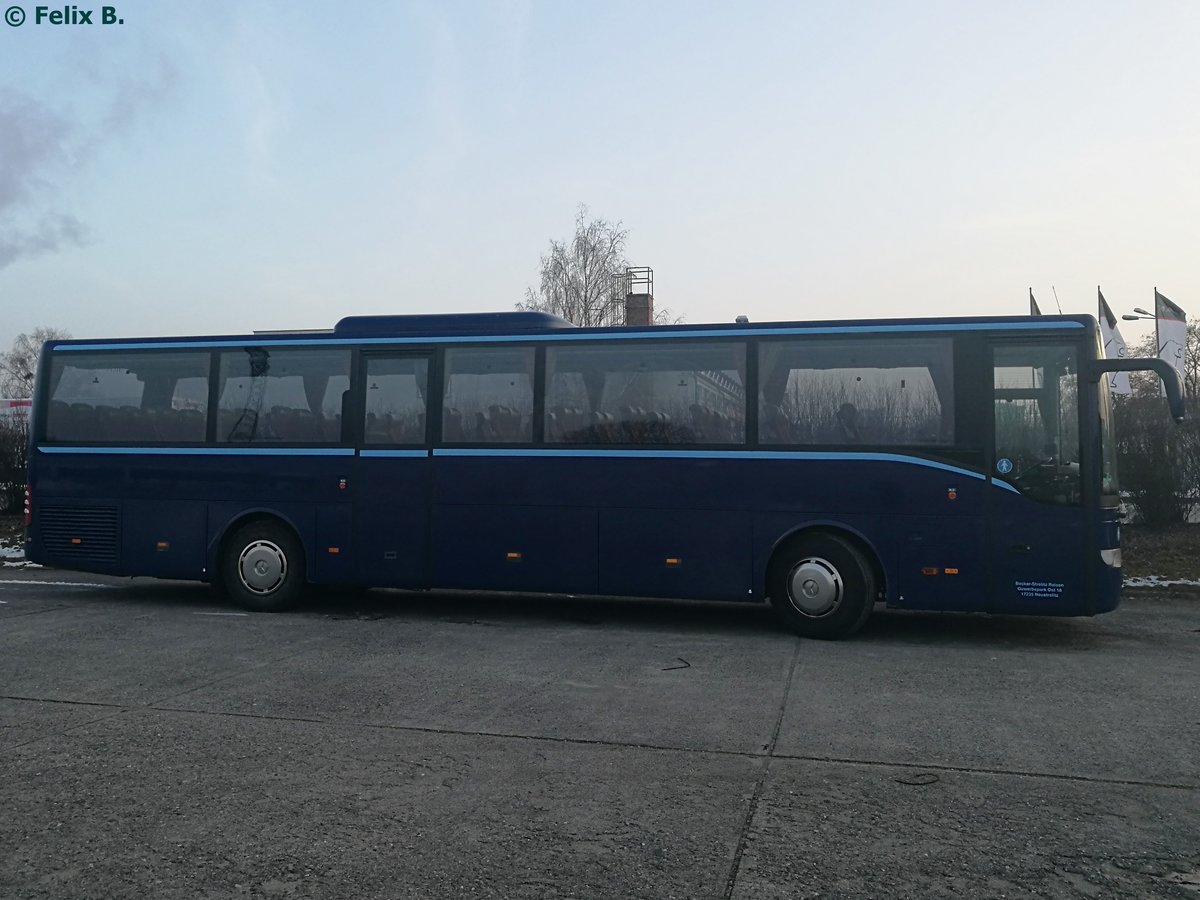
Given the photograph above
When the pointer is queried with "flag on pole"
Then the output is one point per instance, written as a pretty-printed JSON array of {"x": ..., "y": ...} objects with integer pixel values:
[
  {"x": 1170, "y": 327},
  {"x": 1033, "y": 307},
  {"x": 1114, "y": 346}
]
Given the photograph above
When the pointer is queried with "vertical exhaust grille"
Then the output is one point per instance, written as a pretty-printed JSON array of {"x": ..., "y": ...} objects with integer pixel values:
[{"x": 80, "y": 533}]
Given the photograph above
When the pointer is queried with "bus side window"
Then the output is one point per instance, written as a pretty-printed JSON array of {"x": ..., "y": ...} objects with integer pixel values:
[
  {"x": 489, "y": 395},
  {"x": 281, "y": 395},
  {"x": 394, "y": 411},
  {"x": 650, "y": 392},
  {"x": 846, "y": 392},
  {"x": 129, "y": 397}
]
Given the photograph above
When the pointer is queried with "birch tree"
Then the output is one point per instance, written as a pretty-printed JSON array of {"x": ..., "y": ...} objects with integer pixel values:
[
  {"x": 576, "y": 275},
  {"x": 19, "y": 365}
]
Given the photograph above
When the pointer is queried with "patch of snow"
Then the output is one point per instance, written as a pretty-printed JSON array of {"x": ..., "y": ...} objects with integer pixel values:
[
  {"x": 1142, "y": 581},
  {"x": 7, "y": 552},
  {"x": 22, "y": 564},
  {"x": 23, "y": 583}
]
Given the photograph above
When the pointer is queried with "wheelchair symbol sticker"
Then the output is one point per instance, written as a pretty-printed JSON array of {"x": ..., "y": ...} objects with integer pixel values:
[{"x": 1004, "y": 465}]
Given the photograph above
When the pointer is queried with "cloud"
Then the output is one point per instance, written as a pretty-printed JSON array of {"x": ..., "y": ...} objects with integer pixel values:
[
  {"x": 53, "y": 233},
  {"x": 254, "y": 59},
  {"x": 32, "y": 141},
  {"x": 134, "y": 98},
  {"x": 41, "y": 145}
]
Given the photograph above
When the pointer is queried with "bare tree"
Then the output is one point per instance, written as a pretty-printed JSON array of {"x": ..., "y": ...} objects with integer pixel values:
[
  {"x": 14, "y": 456},
  {"x": 18, "y": 366},
  {"x": 576, "y": 275},
  {"x": 1159, "y": 461},
  {"x": 1191, "y": 361}
]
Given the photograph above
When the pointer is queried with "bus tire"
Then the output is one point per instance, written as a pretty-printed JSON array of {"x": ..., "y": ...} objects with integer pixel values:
[
  {"x": 821, "y": 585},
  {"x": 262, "y": 566}
]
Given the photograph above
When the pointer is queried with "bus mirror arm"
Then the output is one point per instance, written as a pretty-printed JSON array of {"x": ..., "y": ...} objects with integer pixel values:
[{"x": 1170, "y": 378}]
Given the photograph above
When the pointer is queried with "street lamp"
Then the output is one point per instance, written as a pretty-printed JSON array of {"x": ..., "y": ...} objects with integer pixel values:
[{"x": 1144, "y": 315}]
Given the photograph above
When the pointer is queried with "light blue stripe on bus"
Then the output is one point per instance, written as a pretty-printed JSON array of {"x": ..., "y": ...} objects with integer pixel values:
[
  {"x": 564, "y": 453},
  {"x": 730, "y": 454},
  {"x": 393, "y": 453},
  {"x": 334, "y": 340},
  {"x": 206, "y": 451}
]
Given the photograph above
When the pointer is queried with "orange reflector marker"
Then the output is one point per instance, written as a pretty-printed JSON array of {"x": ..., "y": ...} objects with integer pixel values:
[
  {"x": 674, "y": 561},
  {"x": 76, "y": 541},
  {"x": 162, "y": 545},
  {"x": 513, "y": 555},
  {"x": 335, "y": 549},
  {"x": 929, "y": 570},
  {"x": 951, "y": 571}
]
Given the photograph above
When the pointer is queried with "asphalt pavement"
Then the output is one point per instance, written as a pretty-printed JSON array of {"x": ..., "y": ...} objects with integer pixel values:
[{"x": 155, "y": 742}]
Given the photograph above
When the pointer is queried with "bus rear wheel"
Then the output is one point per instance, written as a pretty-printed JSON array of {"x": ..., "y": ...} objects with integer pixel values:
[
  {"x": 821, "y": 586},
  {"x": 262, "y": 567}
]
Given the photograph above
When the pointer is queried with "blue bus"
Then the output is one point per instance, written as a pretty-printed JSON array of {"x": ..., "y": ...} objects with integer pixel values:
[{"x": 935, "y": 464}]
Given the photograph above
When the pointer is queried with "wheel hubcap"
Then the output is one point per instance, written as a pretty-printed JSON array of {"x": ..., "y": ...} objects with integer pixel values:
[
  {"x": 815, "y": 587},
  {"x": 262, "y": 567}
]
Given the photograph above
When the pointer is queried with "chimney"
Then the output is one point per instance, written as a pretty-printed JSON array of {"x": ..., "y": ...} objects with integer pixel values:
[
  {"x": 639, "y": 309},
  {"x": 637, "y": 284}
]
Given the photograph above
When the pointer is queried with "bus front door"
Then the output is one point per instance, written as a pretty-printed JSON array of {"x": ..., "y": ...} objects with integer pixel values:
[{"x": 1037, "y": 517}]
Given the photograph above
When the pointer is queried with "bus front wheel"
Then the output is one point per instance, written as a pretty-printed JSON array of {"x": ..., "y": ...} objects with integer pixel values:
[
  {"x": 262, "y": 567},
  {"x": 821, "y": 586}
]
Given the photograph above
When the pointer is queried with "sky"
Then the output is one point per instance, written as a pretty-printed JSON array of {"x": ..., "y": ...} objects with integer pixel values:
[{"x": 222, "y": 167}]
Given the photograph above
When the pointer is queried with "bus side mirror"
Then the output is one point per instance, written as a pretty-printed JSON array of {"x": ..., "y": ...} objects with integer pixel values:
[{"x": 1096, "y": 368}]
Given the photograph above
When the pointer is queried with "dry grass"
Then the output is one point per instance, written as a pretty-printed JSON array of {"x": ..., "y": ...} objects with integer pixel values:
[
  {"x": 11, "y": 529},
  {"x": 1170, "y": 553}
]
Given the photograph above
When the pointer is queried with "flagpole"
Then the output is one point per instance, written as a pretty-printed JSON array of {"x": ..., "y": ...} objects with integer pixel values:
[{"x": 1157, "y": 338}]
